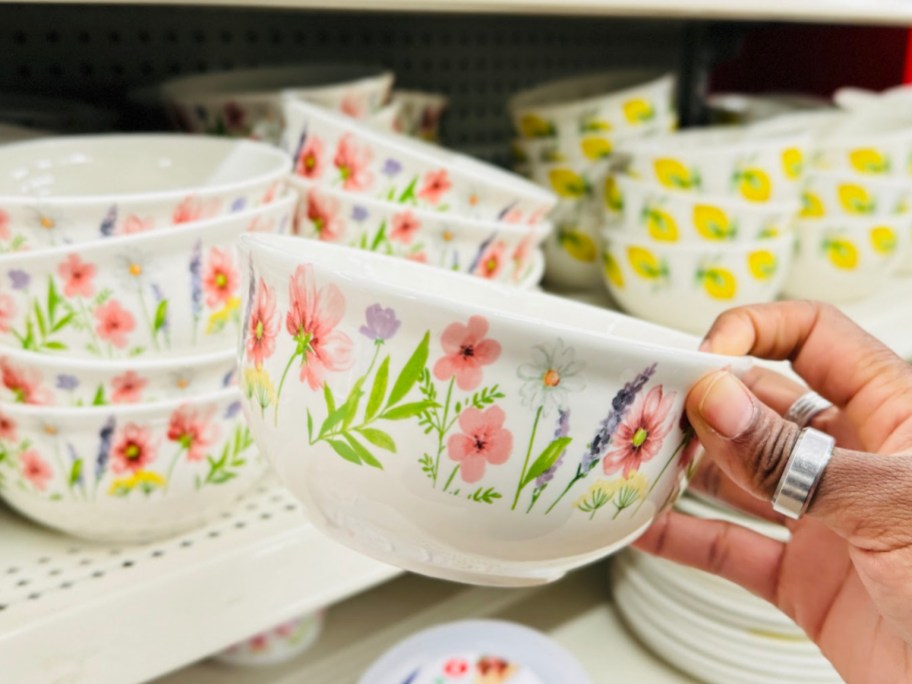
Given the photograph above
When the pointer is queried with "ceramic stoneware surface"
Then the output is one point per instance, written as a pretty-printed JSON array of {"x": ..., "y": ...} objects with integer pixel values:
[
  {"x": 503, "y": 437},
  {"x": 889, "y": 154},
  {"x": 28, "y": 377},
  {"x": 845, "y": 259},
  {"x": 572, "y": 250},
  {"x": 650, "y": 212},
  {"x": 147, "y": 295},
  {"x": 722, "y": 161},
  {"x": 347, "y": 155},
  {"x": 420, "y": 113},
  {"x": 127, "y": 473},
  {"x": 248, "y": 103},
  {"x": 847, "y": 194},
  {"x": 688, "y": 286},
  {"x": 78, "y": 189},
  {"x": 596, "y": 103},
  {"x": 490, "y": 250},
  {"x": 277, "y": 645}
]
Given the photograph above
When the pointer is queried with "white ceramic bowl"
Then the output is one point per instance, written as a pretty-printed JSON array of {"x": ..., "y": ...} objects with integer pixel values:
[
  {"x": 847, "y": 194},
  {"x": 686, "y": 286},
  {"x": 31, "y": 378},
  {"x": 738, "y": 162},
  {"x": 151, "y": 295},
  {"x": 248, "y": 102},
  {"x": 842, "y": 259},
  {"x": 869, "y": 143},
  {"x": 337, "y": 151},
  {"x": 75, "y": 189},
  {"x": 420, "y": 113},
  {"x": 496, "y": 251},
  {"x": 650, "y": 212},
  {"x": 471, "y": 438},
  {"x": 611, "y": 101},
  {"x": 127, "y": 473},
  {"x": 572, "y": 249},
  {"x": 277, "y": 645}
]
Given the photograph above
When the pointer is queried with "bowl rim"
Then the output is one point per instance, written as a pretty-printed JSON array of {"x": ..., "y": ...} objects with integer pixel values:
[
  {"x": 619, "y": 236},
  {"x": 742, "y": 141},
  {"x": 615, "y": 136},
  {"x": 282, "y": 160},
  {"x": 112, "y": 366},
  {"x": 874, "y": 181},
  {"x": 860, "y": 222},
  {"x": 733, "y": 203}
]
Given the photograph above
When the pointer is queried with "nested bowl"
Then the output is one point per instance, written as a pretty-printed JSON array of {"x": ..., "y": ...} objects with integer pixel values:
[
  {"x": 127, "y": 473},
  {"x": 77, "y": 189},
  {"x": 154, "y": 294},
  {"x": 277, "y": 645},
  {"x": 340, "y": 152},
  {"x": 488, "y": 249},
  {"x": 495, "y": 437},
  {"x": 420, "y": 113},
  {"x": 829, "y": 193}
]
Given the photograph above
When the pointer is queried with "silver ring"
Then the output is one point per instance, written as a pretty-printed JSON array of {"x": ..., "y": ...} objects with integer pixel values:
[
  {"x": 805, "y": 466},
  {"x": 806, "y": 407}
]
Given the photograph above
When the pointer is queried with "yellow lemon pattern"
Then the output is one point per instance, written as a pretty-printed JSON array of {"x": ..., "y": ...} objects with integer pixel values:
[
  {"x": 792, "y": 163},
  {"x": 614, "y": 200},
  {"x": 531, "y": 126},
  {"x": 660, "y": 224},
  {"x": 718, "y": 282},
  {"x": 612, "y": 270},
  {"x": 753, "y": 184},
  {"x": 568, "y": 183},
  {"x": 869, "y": 160},
  {"x": 762, "y": 264},
  {"x": 638, "y": 111},
  {"x": 595, "y": 147},
  {"x": 673, "y": 174},
  {"x": 883, "y": 240},
  {"x": 842, "y": 253},
  {"x": 712, "y": 223},
  {"x": 646, "y": 264},
  {"x": 811, "y": 205},
  {"x": 855, "y": 199},
  {"x": 578, "y": 245}
]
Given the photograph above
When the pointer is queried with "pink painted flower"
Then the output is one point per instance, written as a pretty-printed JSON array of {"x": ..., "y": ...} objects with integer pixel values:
[
  {"x": 466, "y": 351},
  {"x": 537, "y": 217},
  {"x": 132, "y": 450},
  {"x": 435, "y": 185},
  {"x": 404, "y": 227},
  {"x": 7, "y": 312},
  {"x": 135, "y": 224},
  {"x": 4, "y": 225},
  {"x": 192, "y": 208},
  {"x": 7, "y": 429},
  {"x": 263, "y": 326},
  {"x": 220, "y": 280},
  {"x": 492, "y": 260},
  {"x": 310, "y": 159},
  {"x": 194, "y": 430},
  {"x": 312, "y": 317},
  {"x": 639, "y": 438},
  {"x": 483, "y": 440},
  {"x": 353, "y": 161},
  {"x": 419, "y": 257},
  {"x": 24, "y": 384},
  {"x": 127, "y": 388},
  {"x": 323, "y": 214},
  {"x": 353, "y": 105},
  {"x": 35, "y": 469},
  {"x": 77, "y": 276},
  {"x": 513, "y": 215},
  {"x": 113, "y": 323}
]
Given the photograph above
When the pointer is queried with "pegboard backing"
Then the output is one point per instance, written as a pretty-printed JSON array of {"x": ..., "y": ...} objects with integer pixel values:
[{"x": 101, "y": 52}]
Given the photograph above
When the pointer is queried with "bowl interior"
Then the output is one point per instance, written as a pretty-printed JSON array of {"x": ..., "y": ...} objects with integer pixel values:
[
  {"x": 564, "y": 91},
  {"x": 250, "y": 81}
]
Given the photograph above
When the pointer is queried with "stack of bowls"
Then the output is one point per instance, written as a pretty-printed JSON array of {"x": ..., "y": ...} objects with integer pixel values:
[
  {"x": 702, "y": 221},
  {"x": 567, "y": 133},
  {"x": 119, "y": 313},
  {"x": 280, "y": 644},
  {"x": 387, "y": 193}
]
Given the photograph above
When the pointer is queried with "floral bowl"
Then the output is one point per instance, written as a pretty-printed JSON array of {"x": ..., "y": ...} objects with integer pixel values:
[
  {"x": 28, "y": 377},
  {"x": 829, "y": 193},
  {"x": 686, "y": 286},
  {"x": 127, "y": 473},
  {"x": 841, "y": 259},
  {"x": 76, "y": 189},
  {"x": 277, "y": 645},
  {"x": 420, "y": 113},
  {"x": 499, "y": 437},
  {"x": 349, "y": 155},
  {"x": 248, "y": 102},
  {"x": 737, "y": 162},
  {"x": 650, "y": 212},
  {"x": 611, "y": 101},
  {"x": 153, "y": 294},
  {"x": 496, "y": 251}
]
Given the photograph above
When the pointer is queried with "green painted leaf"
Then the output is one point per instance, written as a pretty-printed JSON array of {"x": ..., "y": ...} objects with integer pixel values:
[
  {"x": 53, "y": 298},
  {"x": 63, "y": 322},
  {"x": 99, "y": 398},
  {"x": 350, "y": 407},
  {"x": 411, "y": 371},
  {"x": 362, "y": 452},
  {"x": 378, "y": 391},
  {"x": 408, "y": 410},
  {"x": 344, "y": 451},
  {"x": 328, "y": 396},
  {"x": 379, "y": 237},
  {"x": 408, "y": 195},
  {"x": 39, "y": 319},
  {"x": 378, "y": 438},
  {"x": 75, "y": 471},
  {"x": 546, "y": 459},
  {"x": 161, "y": 315},
  {"x": 58, "y": 346},
  {"x": 310, "y": 426}
]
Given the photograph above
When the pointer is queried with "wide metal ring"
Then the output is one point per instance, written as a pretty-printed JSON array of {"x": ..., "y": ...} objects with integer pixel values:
[
  {"x": 806, "y": 407},
  {"x": 805, "y": 466}
]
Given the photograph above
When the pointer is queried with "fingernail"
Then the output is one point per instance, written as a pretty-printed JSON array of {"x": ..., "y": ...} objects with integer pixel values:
[{"x": 727, "y": 406}]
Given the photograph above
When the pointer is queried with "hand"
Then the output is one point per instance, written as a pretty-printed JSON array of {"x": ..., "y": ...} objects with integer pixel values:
[{"x": 846, "y": 574}]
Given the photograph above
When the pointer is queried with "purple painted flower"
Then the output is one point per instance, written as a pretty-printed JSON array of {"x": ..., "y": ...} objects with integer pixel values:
[
  {"x": 382, "y": 323},
  {"x": 233, "y": 409},
  {"x": 67, "y": 382},
  {"x": 239, "y": 204},
  {"x": 19, "y": 279},
  {"x": 359, "y": 213},
  {"x": 391, "y": 167}
]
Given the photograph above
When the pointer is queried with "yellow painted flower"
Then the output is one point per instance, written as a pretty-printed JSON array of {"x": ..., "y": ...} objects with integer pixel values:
[
  {"x": 712, "y": 223},
  {"x": 792, "y": 163},
  {"x": 532, "y": 126},
  {"x": 718, "y": 282},
  {"x": 673, "y": 174},
  {"x": 219, "y": 319},
  {"x": 633, "y": 487},
  {"x": 578, "y": 245},
  {"x": 762, "y": 264},
  {"x": 812, "y": 205},
  {"x": 660, "y": 224},
  {"x": 883, "y": 239},
  {"x": 842, "y": 253},
  {"x": 567, "y": 183},
  {"x": 601, "y": 489},
  {"x": 869, "y": 160},
  {"x": 855, "y": 199},
  {"x": 645, "y": 264},
  {"x": 753, "y": 184},
  {"x": 614, "y": 200},
  {"x": 145, "y": 479},
  {"x": 612, "y": 270},
  {"x": 257, "y": 384},
  {"x": 596, "y": 147},
  {"x": 638, "y": 111}
]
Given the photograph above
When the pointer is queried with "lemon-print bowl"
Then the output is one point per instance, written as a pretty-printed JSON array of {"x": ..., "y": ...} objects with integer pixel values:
[
  {"x": 686, "y": 286},
  {"x": 572, "y": 249},
  {"x": 78, "y": 189},
  {"x": 722, "y": 161},
  {"x": 871, "y": 143},
  {"x": 498, "y": 437},
  {"x": 487, "y": 249},
  {"x": 595, "y": 103},
  {"x": 842, "y": 259},
  {"x": 127, "y": 473},
  {"x": 648, "y": 211},
  {"x": 149, "y": 295},
  {"x": 833, "y": 193}
]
